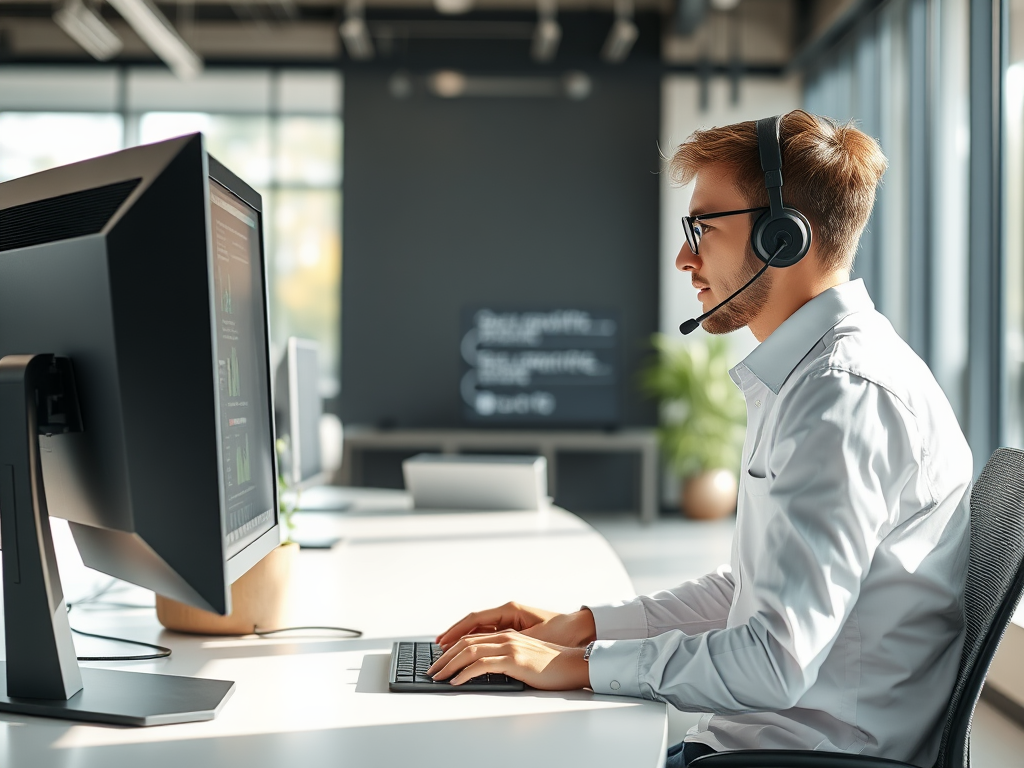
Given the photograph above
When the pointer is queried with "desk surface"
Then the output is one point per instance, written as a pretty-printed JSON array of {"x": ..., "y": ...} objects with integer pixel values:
[{"x": 320, "y": 701}]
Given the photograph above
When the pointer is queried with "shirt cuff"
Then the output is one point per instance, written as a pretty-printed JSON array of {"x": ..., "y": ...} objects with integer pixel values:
[
  {"x": 622, "y": 621},
  {"x": 615, "y": 667}
]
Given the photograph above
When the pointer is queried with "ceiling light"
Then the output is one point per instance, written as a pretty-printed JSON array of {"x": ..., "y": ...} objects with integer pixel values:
[
  {"x": 87, "y": 28},
  {"x": 161, "y": 36},
  {"x": 453, "y": 7},
  {"x": 447, "y": 83},
  {"x": 724, "y": 5},
  {"x": 548, "y": 33},
  {"x": 577, "y": 85},
  {"x": 355, "y": 33},
  {"x": 622, "y": 35}
]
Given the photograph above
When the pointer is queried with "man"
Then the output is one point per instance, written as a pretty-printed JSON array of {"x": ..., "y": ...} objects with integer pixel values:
[{"x": 838, "y": 624}]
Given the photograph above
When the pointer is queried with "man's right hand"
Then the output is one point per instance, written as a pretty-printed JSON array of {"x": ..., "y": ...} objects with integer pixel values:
[{"x": 567, "y": 629}]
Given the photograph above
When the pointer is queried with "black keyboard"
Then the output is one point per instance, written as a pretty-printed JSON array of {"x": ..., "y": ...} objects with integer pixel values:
[{"x": 411, "y": 660}]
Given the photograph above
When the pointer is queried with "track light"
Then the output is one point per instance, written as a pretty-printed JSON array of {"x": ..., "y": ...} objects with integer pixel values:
[
  {"x": 161, "y": 36},
  {"x": 87, "y": 28},
  {"x": 453, "y": 7},
  {"x": 548, "y": 33},
  {"x": 355, "y": 33},
  {"x": 622, "y": 34}
]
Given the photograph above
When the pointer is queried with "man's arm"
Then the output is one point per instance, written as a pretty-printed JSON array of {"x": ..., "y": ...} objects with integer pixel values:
[
  {"x": 693, "y": 607},
  {"x": 839, "y": 459},
  {"x": 842, "y": 452}
]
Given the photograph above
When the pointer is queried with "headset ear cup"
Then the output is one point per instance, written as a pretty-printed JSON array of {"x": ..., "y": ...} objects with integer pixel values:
[{"x": 791, "y": 225}]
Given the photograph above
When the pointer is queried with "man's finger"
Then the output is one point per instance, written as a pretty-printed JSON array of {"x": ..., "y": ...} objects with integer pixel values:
[
  {"x": 464, "y": 652},
  {"x": 489, "y": 620},
  {"x": 483, "y": 666}
]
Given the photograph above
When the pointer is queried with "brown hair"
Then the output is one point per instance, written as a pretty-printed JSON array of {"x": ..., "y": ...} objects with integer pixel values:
[{"x": 830, "y": 172}]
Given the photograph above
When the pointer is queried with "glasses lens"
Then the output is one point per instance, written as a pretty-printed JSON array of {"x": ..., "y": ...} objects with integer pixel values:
[{"x": 692, "y": 230}]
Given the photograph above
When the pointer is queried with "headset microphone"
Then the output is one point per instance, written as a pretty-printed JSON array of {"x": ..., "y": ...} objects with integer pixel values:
[{"x": 692, "y": 324}]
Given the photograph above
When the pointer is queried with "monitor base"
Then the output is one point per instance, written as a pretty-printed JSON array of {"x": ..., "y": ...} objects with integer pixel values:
[{"x": 128, "y": 698}]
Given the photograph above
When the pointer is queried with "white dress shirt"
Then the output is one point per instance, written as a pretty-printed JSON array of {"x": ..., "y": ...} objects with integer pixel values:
[{"x": 838, "y": 624}]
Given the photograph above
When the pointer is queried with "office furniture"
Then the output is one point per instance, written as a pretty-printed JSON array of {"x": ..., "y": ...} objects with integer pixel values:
[
  {"x": 547, "y": 443},
  {"x": 316, "y": 700},
  {"x": 995, "y": 582}
]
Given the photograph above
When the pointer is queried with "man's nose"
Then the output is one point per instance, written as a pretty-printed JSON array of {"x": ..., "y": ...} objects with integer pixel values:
[{"x": 687, "y": 260}]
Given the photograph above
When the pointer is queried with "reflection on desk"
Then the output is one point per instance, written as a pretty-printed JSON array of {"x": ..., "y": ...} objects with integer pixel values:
[{"x": 318, "y": 700}]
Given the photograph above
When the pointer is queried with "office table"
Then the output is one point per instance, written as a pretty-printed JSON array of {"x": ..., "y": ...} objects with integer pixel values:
[{"x": 318, "y": 700}]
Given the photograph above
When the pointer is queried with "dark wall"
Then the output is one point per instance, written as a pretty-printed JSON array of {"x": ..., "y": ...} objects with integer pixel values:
[{"x": 513, "y": 202}]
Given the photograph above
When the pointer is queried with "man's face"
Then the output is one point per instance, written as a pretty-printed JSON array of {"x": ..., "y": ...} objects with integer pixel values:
[{"x": 726, "y": 260}]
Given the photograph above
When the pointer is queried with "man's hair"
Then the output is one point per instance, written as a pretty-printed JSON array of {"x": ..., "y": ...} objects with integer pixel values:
[{"x": 830, "y": 172}]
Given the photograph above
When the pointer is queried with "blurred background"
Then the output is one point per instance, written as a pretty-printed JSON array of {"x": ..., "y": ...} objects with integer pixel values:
[
  {"x": 424, "y": 161},
  {"x": 465, "y": 206}
]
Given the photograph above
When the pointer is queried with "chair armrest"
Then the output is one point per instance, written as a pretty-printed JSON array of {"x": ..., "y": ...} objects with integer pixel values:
[{"x": 790, "y": 758}]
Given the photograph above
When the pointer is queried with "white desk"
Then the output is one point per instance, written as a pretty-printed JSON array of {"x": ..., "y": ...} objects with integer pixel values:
[{"x": 320, "y": 701}]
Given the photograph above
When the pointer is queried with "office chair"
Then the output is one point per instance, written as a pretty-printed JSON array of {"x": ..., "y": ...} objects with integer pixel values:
[{"x": 995, "y": 580}]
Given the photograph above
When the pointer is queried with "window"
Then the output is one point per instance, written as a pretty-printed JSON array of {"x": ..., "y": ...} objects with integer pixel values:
[
  {"x": 279, "y": 130},
  {"x": 1013, "y": 225}
]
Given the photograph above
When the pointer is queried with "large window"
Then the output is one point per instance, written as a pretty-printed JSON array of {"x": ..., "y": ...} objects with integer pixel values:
[
  {"x": 1013, "y": 222},
  {"x": 902, "y": 76},
  {"x": 280, "y": 131}
]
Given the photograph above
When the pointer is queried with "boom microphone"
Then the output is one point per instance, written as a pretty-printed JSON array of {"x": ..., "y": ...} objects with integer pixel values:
[{"x": 692, "y": 324}]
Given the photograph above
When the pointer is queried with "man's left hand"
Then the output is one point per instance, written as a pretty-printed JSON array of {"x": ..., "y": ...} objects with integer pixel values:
[{"x": 537, "y": 663}]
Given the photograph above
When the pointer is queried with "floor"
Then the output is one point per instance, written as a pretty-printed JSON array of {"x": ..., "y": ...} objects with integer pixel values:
[{"x": 673, "y": 549}]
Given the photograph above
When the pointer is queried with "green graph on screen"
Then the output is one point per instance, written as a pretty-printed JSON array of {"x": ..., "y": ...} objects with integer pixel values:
[
  {"x": 242, "y": 462},
  {"x": 234, "y": 381},
  {"x": 226, "y": 305}
]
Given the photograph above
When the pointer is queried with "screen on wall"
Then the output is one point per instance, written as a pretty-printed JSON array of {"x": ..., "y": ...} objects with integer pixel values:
[{"x": 554, "y": 366}]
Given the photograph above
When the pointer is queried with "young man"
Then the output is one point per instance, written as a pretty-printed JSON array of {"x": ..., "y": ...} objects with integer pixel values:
[{"x": 838, "y": 624}]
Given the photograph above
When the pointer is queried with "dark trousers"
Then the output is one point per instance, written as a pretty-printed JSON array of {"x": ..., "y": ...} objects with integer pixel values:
[{"x": 682, "y": 753}]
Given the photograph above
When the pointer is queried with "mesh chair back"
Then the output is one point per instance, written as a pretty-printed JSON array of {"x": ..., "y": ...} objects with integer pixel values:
[{"x": 995, "y": 580}]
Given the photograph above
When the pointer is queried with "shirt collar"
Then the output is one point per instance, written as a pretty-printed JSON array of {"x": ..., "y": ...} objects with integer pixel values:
[{"x": 774, "y": 359}]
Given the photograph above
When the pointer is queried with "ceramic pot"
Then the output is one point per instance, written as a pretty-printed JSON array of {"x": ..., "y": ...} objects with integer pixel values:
[
  {"x": 260, "y": 598},
  {"x": 709, "y": 495}
]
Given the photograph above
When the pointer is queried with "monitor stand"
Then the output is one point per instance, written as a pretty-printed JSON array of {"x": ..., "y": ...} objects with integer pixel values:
[{"x": 41, "y": 676}]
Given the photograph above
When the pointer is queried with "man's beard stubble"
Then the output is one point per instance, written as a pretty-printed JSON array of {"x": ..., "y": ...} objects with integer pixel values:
[{"x": 740, "y": 311}]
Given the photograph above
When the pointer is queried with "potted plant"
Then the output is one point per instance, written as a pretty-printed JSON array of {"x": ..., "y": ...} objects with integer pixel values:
[
  {"x": 259, "y": 599},
  {"x": 702, "y": 417}
]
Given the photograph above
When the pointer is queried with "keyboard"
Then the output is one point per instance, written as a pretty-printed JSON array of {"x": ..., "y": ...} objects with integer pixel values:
[{"x": 409, "y": 664}]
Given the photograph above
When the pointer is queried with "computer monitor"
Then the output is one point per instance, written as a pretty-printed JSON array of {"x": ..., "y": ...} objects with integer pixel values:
[
  {"x": 298, "y": 408},
  {"x": 135, "y": 403}
]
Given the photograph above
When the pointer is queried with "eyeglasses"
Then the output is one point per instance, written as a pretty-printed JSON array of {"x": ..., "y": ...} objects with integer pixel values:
[{"x": 694, "y": 232}]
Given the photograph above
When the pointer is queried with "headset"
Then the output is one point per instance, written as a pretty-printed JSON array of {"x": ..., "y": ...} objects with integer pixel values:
[
  {"x": 781, "y": 236},
  {"x": 778, "y": 226}
]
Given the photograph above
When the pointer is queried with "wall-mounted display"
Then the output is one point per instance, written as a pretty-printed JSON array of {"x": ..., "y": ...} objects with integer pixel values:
[{"x": 556, "y": 366}]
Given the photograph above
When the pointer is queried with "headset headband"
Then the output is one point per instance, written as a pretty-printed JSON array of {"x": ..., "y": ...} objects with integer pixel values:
[{"x": 770, "y": 149}]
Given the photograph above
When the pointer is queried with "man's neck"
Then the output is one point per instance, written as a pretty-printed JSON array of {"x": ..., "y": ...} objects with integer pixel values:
[{"x": 788, "y": 294}]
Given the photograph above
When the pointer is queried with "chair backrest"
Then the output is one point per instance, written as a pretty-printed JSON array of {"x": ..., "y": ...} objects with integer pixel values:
[{"x": 995, "y": 580}]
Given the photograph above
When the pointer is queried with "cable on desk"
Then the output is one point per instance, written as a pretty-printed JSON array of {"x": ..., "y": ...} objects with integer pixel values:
[
  {"x": 162, "y": 652},
  {"x": 264, "y": 632}
]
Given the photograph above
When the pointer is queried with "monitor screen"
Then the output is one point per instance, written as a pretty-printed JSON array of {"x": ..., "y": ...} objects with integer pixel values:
[{"x": 243, "y": 396}]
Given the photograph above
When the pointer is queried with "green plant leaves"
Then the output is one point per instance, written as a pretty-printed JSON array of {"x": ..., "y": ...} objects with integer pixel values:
[{"x": 703, "y": 415}]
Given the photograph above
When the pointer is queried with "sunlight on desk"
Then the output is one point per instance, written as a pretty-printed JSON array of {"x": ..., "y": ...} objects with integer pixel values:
[{"x": 319, "y": 692}]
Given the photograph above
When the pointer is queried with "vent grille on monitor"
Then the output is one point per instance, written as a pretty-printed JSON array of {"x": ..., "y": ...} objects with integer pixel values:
[{"x": 62, "y": 217}]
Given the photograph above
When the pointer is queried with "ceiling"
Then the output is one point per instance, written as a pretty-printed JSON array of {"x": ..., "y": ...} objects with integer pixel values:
[{"x": 756, "y": 34}]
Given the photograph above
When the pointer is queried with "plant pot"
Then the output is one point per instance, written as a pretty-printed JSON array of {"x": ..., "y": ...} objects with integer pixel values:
[
  {"x": 260, "y": 598},
  {"x": 709, "y": 495}
]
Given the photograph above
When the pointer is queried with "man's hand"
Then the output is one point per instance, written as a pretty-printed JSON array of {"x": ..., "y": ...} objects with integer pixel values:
[
  {"x": 539, "y": 664},
  {"x": 565, "y": 629}
]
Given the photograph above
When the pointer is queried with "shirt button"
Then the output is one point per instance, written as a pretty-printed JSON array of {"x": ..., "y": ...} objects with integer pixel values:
[
  {"x": 757, "y": 403},
  {"x": 614, "y": 685}
]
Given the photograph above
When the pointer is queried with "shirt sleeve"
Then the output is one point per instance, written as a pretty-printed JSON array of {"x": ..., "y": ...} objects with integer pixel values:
[
  {"x": 842, "y": 452},
  {"x": 693, "y": 607}
]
